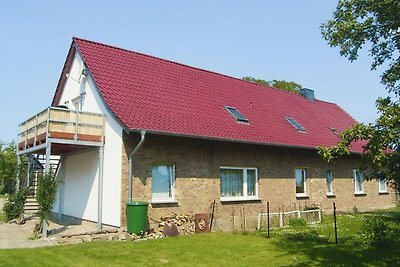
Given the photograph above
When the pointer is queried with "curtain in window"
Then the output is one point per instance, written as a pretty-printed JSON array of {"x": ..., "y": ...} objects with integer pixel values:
[
  {"x": 162, "y": 177},
  {"x": 300, "y": 181},
  {"x": 359, "y": 179},
  {"x": 382, "y": 184},
  {"x": 329, "y": 179},
  {"x": 251, "y": 182},
  {"x": 231, "y": 182}
]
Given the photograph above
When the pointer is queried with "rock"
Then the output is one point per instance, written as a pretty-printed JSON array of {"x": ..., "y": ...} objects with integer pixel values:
[
  {"x": 112, "y": 230},
  {"x": 103, "y": 237},
  {"x": 87, "y": 238}
]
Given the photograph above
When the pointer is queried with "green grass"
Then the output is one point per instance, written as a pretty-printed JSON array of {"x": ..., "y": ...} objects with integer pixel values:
[{"x": 294, "y": 246}]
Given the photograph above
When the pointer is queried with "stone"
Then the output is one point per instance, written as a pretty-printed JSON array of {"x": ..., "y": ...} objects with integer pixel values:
[{"x": 87, "y": 238}]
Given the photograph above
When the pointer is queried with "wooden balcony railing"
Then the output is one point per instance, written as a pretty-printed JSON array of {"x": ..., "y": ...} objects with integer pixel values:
[{"x": 61, "y": 124}]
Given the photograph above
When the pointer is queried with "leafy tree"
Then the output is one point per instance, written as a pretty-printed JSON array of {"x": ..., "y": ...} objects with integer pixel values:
[
  {"x": 280, "y": 84},
  {"x": 357, "y": 23},
  {"x": 376, "y": 22},
  {"x": 8, "y": 167},
  {"x": 46, "y": 196}
]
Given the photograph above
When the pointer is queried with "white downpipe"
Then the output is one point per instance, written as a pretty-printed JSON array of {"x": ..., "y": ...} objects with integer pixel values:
[{"x": 130, "y": 162}]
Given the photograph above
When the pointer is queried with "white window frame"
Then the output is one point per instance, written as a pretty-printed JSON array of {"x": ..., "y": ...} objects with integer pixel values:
[
  {"x": 357, "y": 192},
  {"x": 380, "y": 189},
  {"x": 172, "y": 185},
  {"x": 304, "y": 174},
  {"x": 331, "y": 192},
  {"x": 245, "y": 197}
]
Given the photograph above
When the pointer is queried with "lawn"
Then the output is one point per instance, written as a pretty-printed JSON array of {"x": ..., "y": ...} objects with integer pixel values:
[{"x": 292, "y": 246}]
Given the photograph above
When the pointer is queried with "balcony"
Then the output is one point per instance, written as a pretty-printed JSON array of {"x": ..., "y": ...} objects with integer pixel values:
[{"x": 64, "y": 130}]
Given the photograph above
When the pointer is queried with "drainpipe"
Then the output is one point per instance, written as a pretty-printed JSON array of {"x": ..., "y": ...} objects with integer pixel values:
[{"x": 130, "y": 162}]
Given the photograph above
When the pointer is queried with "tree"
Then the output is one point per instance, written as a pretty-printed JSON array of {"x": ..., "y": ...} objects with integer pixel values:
[
  {"x": 377, "y": 22},
  {"x": 46, "y": 196},
  {"x": 280, "y": 84},
  {"x": 8, "y": 167}
]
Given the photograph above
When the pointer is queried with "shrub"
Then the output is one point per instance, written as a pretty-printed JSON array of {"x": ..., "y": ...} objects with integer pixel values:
[
  {"x": 14, "y": 205},
  {"x": 297, "y": 222},
  {"x": 378, "y": 232},
  {"x": 46, "y": 194}
]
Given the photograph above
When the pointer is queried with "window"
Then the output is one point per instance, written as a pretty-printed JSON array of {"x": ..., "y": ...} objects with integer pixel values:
[
  {"x": 238, "y": 183},
  {"x": 358, "y": 182},
  {"x": 329, "y": 181},
  {"x": 334, "y": 131},
  {"x": 301, "y": 177},
  {"x": 163, "y": 180},
  {"x": 382, "y": 188},
  {"x": 295, "y": 124},
  {"x": 236, "y": 114}
]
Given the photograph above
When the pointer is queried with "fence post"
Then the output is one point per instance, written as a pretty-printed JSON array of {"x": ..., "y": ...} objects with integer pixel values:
[
  {"x": 268, "y": 219},
  {"x": 334, "y": 219}
]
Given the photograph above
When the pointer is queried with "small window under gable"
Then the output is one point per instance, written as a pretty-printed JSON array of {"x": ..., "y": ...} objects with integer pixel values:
[
  {"x": 295, "y": 124},
  {"x": 236, "y": 114}
]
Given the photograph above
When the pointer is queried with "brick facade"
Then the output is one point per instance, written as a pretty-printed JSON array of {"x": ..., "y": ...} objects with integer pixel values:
[{"x": 197, "y": 183}]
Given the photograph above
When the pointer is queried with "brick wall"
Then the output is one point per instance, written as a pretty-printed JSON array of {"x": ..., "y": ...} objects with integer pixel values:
[{"x": 197, "y": 182}]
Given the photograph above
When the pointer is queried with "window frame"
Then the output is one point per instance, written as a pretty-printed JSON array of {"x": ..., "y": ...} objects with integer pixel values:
[
  {"x": 357, "y": 192},
  {"x": 380, "y": 190},
  {"x": 245, "y": 196},
  {"x": 239, "y": 116},
  {"x": 172, "y": 185},
  {"x": 292, "y": 121},
  {"x": 331, "y": 192},
  {"x": 304, "y": 174}
]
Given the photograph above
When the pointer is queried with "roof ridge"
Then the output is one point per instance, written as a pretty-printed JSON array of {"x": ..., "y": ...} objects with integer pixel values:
[{"x": 182, "y": 64}]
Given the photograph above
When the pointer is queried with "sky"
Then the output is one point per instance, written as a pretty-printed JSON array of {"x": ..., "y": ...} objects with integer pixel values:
[{"x": 266, "y": 39}]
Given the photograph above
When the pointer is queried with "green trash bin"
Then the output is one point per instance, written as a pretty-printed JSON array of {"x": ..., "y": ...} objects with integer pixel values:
[{"x": 136, "y": 216}]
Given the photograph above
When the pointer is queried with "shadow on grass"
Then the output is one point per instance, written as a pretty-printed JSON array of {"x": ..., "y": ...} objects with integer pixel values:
[{"x": 319, "y": 251}]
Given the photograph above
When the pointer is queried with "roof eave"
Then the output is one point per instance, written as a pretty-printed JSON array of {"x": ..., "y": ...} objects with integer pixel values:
[{"x": 175, "y": 134}]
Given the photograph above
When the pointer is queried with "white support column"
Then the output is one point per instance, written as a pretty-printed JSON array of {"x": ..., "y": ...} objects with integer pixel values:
[
  {"x": 46, "y": 171},
  {"x": 28, "y": 170},
  {"x": 100, "y": 190},
  {"x": 17, "y": 178},
  {"x": 61, "y": 188},
  {"x": 48, "y": 153}
]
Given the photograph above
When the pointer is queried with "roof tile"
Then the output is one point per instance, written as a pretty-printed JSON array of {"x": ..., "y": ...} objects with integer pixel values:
[{"x": 149, "y": 93}]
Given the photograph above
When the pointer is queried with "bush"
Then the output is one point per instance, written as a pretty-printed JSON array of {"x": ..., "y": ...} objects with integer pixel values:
[
  {"x": 378, "y": 232},
  {"x": 14, "y": 205},
  {"x": 297, "y": 222},
  {"x": 46, "y": 194}
]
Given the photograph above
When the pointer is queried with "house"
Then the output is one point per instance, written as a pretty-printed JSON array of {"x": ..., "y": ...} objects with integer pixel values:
[{"x": 130, "y": 126}]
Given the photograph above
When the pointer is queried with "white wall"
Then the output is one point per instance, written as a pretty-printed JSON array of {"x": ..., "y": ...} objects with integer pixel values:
[{"x": 80, "y": 187}]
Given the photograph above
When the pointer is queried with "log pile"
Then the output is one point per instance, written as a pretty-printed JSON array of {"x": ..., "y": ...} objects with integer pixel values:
[{"x": 183, "y": 222}]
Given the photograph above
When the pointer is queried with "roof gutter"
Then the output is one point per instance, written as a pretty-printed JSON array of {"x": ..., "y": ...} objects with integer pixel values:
[
  {"x": 175, "y": 134},
  {"x": 130, "y": 163}
]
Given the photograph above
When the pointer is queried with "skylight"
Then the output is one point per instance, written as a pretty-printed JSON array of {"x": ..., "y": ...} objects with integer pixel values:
[
  {"x": 295, "y": 124},
  {"x": 236, "y": 114},
  {"x": 335, "y": 131}
]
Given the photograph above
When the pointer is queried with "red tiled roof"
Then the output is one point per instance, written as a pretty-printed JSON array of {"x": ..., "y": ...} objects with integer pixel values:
[{"x": 149, "y": 93}]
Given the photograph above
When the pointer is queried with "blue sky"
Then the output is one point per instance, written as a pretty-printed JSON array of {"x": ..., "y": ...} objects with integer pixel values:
[{"x": 264, "y": 39}]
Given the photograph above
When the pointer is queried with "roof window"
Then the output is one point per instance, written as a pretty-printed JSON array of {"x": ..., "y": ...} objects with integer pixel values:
[
  {"x": 236, "y": 114},
  {"x": 295, "y": 124},
  {"x": 335, "y": 131}
]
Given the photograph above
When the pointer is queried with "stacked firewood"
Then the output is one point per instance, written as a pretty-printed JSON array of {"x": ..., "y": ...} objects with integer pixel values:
[{"x": 183, "y": 222}]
